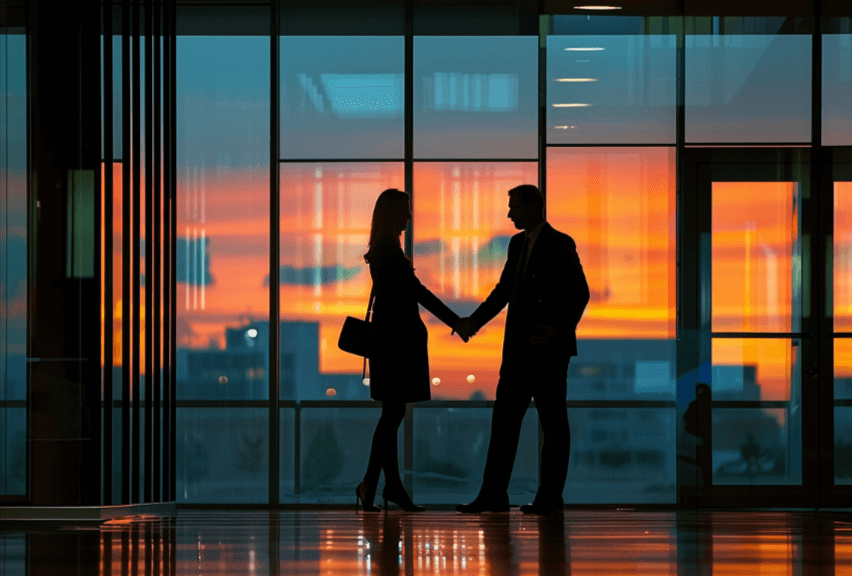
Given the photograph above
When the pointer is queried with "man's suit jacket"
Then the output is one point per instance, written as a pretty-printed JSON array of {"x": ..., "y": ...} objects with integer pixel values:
[{"x": 543, "y": 315}]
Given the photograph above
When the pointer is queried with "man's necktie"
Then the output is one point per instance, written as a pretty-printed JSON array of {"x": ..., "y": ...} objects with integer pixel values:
[{"x": 522, "y": 262}]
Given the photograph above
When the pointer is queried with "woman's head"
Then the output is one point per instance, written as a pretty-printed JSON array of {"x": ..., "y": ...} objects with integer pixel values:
[{"x": 390, "y": 217}]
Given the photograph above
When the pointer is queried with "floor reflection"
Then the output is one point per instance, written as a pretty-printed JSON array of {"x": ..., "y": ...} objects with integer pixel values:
[{"x": 344, "y": 543}]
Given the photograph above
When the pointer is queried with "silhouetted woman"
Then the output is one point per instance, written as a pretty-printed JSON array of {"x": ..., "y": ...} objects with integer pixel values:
[{"x": 399, "y": 360}]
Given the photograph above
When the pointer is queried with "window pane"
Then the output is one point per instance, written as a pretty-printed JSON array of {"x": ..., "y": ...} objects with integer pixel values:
[
  {"x": 223, "y": 216},
  {"x": 13, "y": 451},
  {"x": 756, "y": 369},
  {"x": 449, "y": 456},
  {"x": 14, "y": 303},
  {"x": 748, "y": 88},
  {"x": 326, "y": 212},
  {"x": 621, "y": 455},
  {"x": 756, "y": 254},
  {"x": 287, "y": 450},
  {"x": 476, "y": 97},
  {"x": 13, "y": 216},
  {"x": 843, "y": 368},
  {"x": 223, "y": 455},
  {"x": 342, "y": 97},
  {"x": 611, "y": 89},
  {"x": 334, "y": 447},
  {"x": 843, "y": 445},
  {"x": 756, "y": 446},
  {"x": 619, "y": 206},
  {"x": 843, "y": 256},
  {"x": 836, "y": 87},
  {"x": 461, "y": 234}
]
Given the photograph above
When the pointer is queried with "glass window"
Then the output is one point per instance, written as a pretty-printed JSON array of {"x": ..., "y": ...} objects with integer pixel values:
[
  {"x": 448, "y": 459},
  {"x": 843, "y": 445},
  {"x": 223, "y": 455},
  {"x": 611, "y": 89},
  {"x": 476, "y": 97},
  {"x": 223, "y": 216},
  {"x": 843, "y": 256},
  {"x": 326, "y": 213},
  {"x": 755, "y": 256},
  {"x": 342, "y": 97},
  {"x": 461, "y": 234},
  {"x": 836, "y": 88},
  {"x": 750, "y": 88},
  {"x": 621, "y": 455},
  {"x": 13, "y": 260},
  {"x": 334, "y": 447},
  {"x": 618, "y": 204},
  {"x": 843, "y": 368},
  {"x": 756, "y": 446}
]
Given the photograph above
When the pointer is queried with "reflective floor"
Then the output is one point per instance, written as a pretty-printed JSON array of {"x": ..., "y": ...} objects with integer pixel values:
[{"x": 345, "y": 543}]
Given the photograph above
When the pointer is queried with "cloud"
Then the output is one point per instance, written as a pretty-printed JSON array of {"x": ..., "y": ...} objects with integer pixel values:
[
  {"x": 429, "y": 247},
  {"x": 312, "y": 275},
  {"x": 495, "y": 251}
]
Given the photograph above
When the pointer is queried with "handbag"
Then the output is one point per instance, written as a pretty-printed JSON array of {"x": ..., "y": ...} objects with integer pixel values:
[{"x": 356, "y": 334}]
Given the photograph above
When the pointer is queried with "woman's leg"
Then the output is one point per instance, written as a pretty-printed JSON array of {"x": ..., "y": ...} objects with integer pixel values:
[{"x": 384, "y": 448}]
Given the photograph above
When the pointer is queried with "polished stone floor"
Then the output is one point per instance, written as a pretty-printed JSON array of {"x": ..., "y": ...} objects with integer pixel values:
[{"x": 340, "y": 542}]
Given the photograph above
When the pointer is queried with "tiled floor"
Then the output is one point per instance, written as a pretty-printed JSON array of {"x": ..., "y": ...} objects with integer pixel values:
[{"x": 340, "y": 542}]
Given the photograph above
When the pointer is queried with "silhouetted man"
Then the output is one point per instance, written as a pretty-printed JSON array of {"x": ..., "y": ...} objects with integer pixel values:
[{"x": 544, "y": 285}]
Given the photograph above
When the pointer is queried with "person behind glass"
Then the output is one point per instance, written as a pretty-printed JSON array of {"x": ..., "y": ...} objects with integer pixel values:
[{"x": 399, "y": 360}]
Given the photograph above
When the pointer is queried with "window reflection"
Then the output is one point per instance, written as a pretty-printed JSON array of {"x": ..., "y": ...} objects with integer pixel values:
[
  {"x": 326, "y": 213},
  {"x": 756, "y": 256},
  {"x": 623, "y": 89},
  {"x": 842, "y": 256},
  {"x": 748, "y": 88},
  {"x": 619, "y": 206},
  {"x": 475, "y": 97},
  {"x": 222, "y": 212},
  {"x": 14, "y": 304},
  {"x": 836, "y": 87},
  {"x": 461, "y": 234},
  {"x": 843, "y": 368},
  {"x": 342, "y": 97}
]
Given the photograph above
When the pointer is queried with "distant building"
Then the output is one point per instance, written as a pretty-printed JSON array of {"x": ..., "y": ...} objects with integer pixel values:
[{"x": 240, "y": 371}]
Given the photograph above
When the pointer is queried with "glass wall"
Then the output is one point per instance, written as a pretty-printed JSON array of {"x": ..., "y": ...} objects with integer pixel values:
[
  {"x": 606, "y": 155},
  {"x": 13, "y": 261}
]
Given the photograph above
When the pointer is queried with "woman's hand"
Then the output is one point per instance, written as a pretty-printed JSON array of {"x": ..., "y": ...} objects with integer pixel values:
[{"x": 466, "y": 328}]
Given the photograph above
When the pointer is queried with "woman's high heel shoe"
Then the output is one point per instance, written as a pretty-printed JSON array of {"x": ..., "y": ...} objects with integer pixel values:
[
  {"x": 400, "y": 497},
  {"x": 364, "y": 495}
]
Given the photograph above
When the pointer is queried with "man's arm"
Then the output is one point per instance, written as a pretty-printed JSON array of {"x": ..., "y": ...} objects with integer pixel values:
[{"x": 578, "y": 278}]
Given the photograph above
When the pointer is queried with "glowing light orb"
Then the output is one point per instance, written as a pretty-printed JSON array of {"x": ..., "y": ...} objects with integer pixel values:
[
  {"x": 471, "y": 379},
  {"x": 331, "y": 392},
  {"x": 436, "y": 381},
  {"x": 365, "y": 381}
]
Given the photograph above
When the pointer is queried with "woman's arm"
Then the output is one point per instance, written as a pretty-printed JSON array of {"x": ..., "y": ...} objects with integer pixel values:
[{"x": 433, "y": 304}]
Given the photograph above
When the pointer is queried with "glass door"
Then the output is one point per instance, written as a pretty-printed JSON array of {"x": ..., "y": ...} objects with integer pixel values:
[{"x": 755, "y": 343}]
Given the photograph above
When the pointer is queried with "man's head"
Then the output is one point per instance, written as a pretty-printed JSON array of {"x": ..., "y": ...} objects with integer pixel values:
[{"x": 526, "y": 206}]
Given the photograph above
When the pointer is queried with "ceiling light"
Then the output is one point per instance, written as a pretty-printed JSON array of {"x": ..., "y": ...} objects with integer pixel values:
[
  {"x": 597, "y": 7},
  {"x": 584, "y": 49},
  {"x": 571, "y": 105},
  {"x": 576, "y": 79}
]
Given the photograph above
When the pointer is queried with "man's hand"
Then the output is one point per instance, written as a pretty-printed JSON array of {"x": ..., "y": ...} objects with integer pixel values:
[{"x": 465, "y": 327}]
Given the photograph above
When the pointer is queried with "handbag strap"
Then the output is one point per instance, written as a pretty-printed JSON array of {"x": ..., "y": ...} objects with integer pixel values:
[
  {"x": 367, "y": 319},
  {"x": 370, "y": 305}
]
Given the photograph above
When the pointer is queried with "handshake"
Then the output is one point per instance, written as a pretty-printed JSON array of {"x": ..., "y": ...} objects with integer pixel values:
[{"x": 465, "y": 327}]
